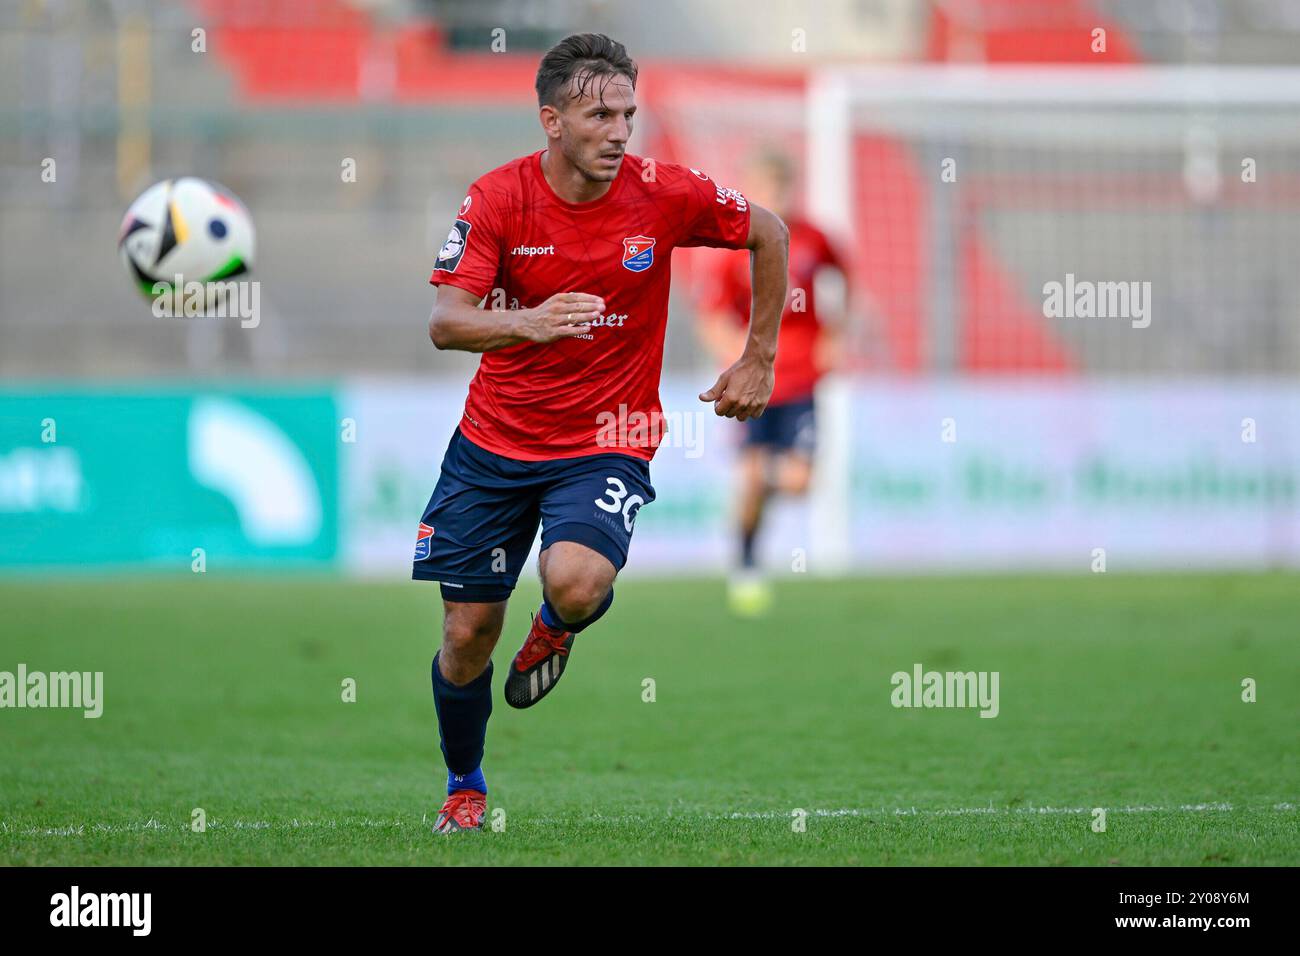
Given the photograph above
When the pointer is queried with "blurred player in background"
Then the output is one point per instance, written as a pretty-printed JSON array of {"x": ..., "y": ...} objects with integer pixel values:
[{"x": 777, "y": 450}]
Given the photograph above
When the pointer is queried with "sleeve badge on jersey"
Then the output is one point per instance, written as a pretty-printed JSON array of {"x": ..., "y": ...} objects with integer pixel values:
[
  {"x": 452, "y": 250},
  {"x": 638, "y": 253}
]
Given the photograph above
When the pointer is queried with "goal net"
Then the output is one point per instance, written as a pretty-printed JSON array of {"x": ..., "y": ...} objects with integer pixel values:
[{"x": 1059, "y": 228}]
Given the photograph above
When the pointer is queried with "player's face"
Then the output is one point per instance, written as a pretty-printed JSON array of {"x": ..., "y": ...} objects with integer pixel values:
[
  {"x": 595, "y": 128},
  {"x": 767, "y": 186}
]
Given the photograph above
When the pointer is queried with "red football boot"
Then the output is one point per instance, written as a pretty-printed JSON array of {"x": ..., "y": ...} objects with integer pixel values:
[
  {"x": 463, "y": 810},
  {"x": 537, "y": 667}
]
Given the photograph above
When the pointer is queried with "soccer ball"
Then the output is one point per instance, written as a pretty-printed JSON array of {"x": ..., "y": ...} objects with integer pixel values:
[{"x": 185, "y": 227}]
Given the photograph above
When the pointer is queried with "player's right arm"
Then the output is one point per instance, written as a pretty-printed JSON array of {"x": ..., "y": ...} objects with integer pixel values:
[
  {"x": 467, "y": 266},
  {"x": 458, "y": 323}
]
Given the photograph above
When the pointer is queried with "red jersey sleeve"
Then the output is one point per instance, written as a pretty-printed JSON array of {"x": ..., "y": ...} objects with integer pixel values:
[
  {"x": 470, "y": 256},
  {"x": 714, "y": 215},
  {"x": 828, "y": 255}
]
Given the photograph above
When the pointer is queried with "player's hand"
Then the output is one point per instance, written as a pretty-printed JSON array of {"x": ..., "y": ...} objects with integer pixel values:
[
  {"x": 742, "y": 391},
  {"x": 562, "y": 316}
]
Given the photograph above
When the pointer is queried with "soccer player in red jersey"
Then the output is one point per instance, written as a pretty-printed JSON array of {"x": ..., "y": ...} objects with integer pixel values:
[
  {"x": 777, "y": 451},
  {"x": 569, "y": 251}
]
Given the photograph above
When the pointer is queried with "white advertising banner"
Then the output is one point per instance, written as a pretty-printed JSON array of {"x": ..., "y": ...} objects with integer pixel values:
[
  {"x": 1019, "y": 474},
  {"x": 916, "y": 476}
]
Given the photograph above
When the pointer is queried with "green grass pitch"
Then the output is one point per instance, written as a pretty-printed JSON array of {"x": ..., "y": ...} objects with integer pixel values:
[{"x": 1116, "y": 691}]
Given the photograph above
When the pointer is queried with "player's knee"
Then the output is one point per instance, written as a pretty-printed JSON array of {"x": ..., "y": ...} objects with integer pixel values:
[
  {"x": 461, "y": 632},
  {"x": 796, "y": 483},
  {"x": 795, "y": 477},
  {"x": 467, "y": 643},
  {"x": 576, "y": 599}
]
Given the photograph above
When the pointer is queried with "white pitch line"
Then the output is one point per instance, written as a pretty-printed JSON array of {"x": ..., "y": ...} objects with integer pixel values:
[
  {"x": 985, "y": 811},
  {"x": 81, "y": 829}
]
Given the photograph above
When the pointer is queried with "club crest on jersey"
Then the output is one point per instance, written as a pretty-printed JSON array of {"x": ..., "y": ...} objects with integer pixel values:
[
  {"x": 638, "y": 253},
  {"x": 423, "y": 541}
]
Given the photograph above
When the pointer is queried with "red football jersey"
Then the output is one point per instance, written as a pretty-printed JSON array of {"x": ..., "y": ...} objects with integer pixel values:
[
  {"x": 518, "y": 243},
  {"x": 727, "y": 290}
]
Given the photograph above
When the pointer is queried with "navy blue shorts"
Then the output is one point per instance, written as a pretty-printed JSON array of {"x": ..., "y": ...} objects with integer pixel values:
[
  {"x": 480, "y": 523},
  {"x": 790, "y": 426}
]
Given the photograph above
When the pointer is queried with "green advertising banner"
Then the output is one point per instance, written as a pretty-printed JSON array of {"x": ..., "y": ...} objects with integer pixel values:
[{"x": 164, "y": 477}]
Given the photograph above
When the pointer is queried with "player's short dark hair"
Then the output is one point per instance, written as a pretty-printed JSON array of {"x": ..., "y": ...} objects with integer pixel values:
[{"x": 591, "y": 57}]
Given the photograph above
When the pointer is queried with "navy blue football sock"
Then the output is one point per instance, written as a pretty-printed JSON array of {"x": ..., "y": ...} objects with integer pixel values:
[
  {"x": 463, "y": 714},
  {"x": 551, "y": 617},
  {"x": 747, "y": 548}
]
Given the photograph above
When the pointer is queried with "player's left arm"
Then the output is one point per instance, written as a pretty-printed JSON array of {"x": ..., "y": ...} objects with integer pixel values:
[{"x": 742, "y": 391}]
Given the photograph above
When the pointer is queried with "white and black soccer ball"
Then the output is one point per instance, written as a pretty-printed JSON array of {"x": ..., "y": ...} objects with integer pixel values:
[{"x": 185, "y": 227}]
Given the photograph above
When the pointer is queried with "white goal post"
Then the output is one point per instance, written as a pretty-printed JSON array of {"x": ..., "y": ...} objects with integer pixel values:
[{"x": 1187, "y": 177}]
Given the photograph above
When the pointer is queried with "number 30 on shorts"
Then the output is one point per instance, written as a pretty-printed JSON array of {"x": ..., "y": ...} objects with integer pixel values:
[{"x": 617, "y": 492}]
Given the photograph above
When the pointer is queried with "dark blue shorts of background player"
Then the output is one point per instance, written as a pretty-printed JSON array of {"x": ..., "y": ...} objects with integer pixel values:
[{"x": 791, "y": 426}]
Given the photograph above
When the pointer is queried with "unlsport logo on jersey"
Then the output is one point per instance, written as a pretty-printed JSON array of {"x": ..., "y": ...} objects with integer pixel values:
[
  {"x": 103, "y": 909},
  {"x": 638, "y": 253}
]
